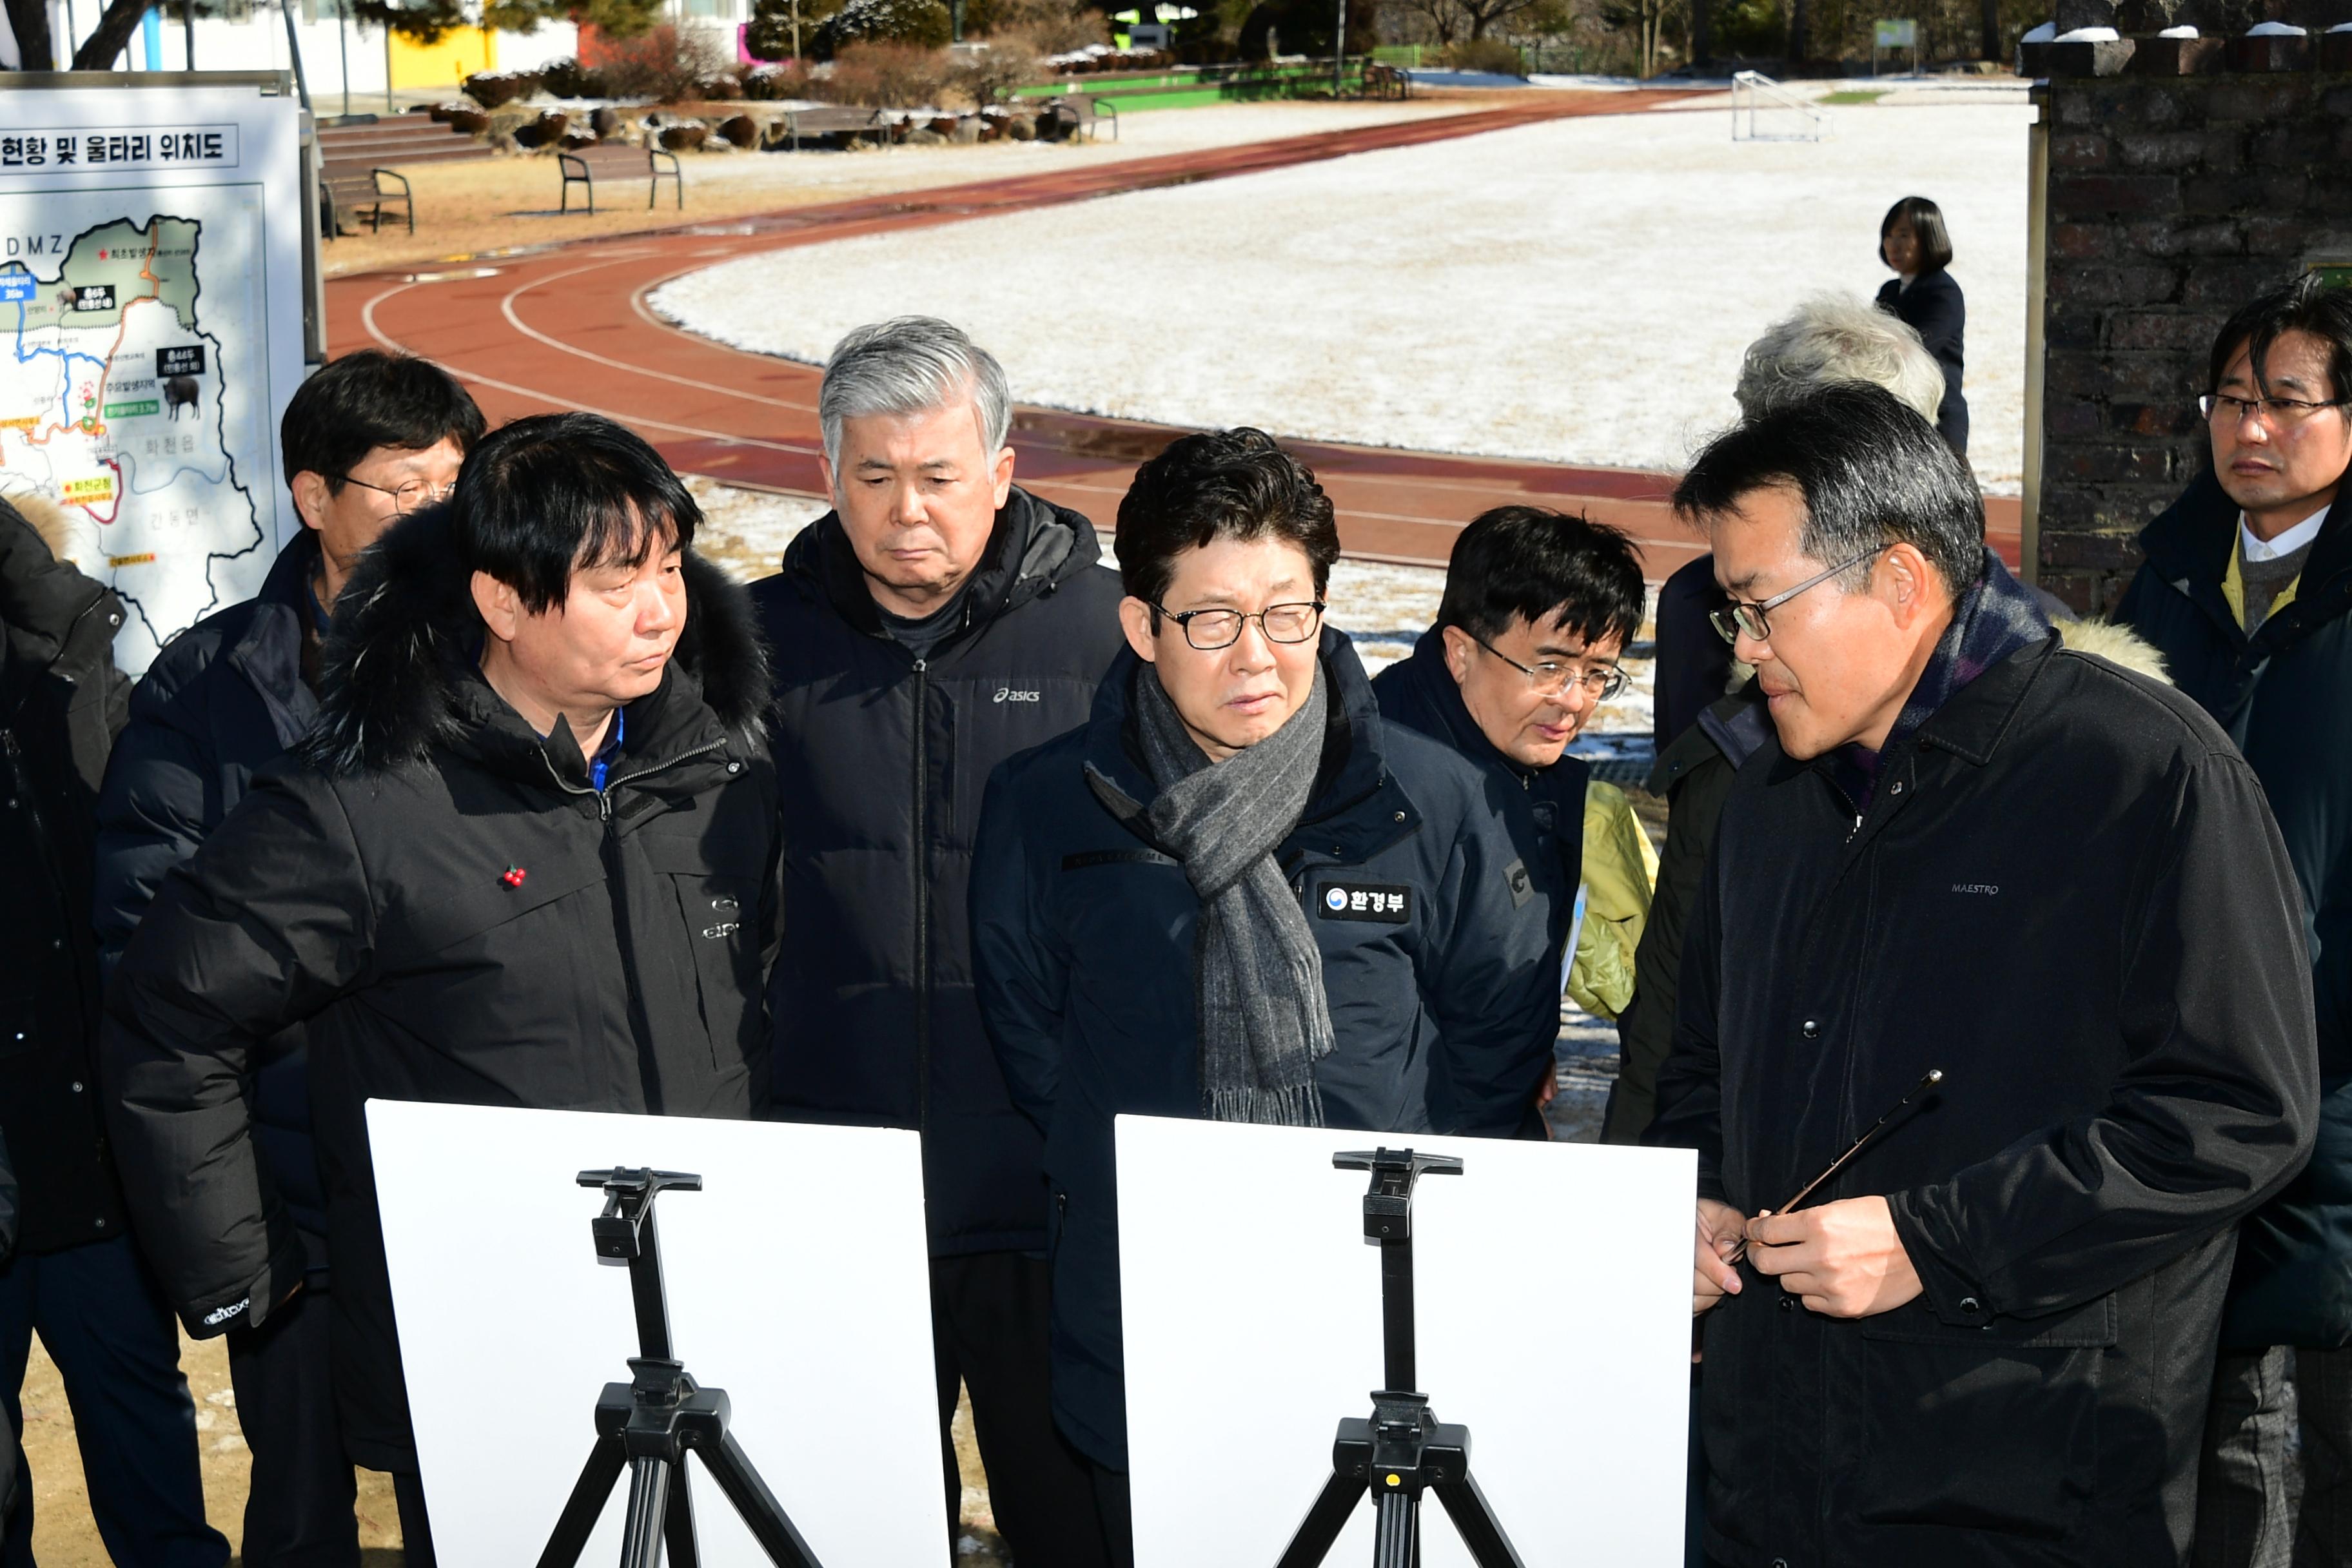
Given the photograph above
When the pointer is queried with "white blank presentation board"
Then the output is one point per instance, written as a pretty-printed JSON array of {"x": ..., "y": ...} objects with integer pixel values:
[
  {"x": 799, "y": 1283},
  {"x": 1553, "y": 1297}
]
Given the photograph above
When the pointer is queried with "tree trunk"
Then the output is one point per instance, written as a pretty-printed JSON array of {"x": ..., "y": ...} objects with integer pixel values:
[
  {"x": 1702, "y": 45},
  {"x": 1991, "y": 29},
  {"x": 112, "y": 34},
  {"x": 29, "y": 20},
  {"x": 1796, "y": 40}
]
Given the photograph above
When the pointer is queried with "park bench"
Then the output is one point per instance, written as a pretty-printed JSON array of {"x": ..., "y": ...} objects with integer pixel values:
[
  {"x": 349, "y": 192},
  {"x": 830, "y": 120},
  {"x": 615, "y": 162},
  {"x": 1083, "y": 112}
]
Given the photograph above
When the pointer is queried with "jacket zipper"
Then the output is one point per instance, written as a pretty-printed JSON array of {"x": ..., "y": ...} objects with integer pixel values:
[
  {"x": 922, "y": 907},
  {"x": 640, "y": 1021}
]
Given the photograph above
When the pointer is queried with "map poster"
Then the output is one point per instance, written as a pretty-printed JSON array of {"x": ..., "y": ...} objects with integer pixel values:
[{"x": 151, "y": 309}]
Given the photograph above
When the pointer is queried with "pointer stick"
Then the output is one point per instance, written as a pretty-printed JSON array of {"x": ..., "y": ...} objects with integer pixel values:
[{"x": 1929, "y": 1080}]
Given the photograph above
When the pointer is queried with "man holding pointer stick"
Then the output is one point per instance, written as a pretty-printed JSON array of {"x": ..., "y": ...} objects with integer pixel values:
[{"x": 1986, "y": 1338}]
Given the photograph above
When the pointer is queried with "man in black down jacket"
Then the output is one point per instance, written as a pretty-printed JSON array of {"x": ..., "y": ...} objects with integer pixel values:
[
  {"x": 1371, "y": 966},
  {"x": 1988, "y": 1340},
  {"x": 524, "y": 858},
  {"x": 1538, "y": 610},
  {"x": 2248, "y": 592},
  {"x": 367, "y": 439},
  {"x": 76, "y": 1277},
  {"x": 935, "y": 623}
]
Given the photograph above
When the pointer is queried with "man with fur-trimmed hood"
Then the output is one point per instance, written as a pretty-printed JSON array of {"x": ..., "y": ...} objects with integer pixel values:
[{"x": 524, "y": 858}]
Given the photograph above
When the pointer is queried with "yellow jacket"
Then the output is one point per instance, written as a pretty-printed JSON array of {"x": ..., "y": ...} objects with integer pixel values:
[{"x": 1619, "y": 870}]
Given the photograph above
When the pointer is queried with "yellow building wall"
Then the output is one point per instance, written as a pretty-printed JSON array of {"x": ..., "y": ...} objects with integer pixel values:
[{"x": 460, "y": 53}]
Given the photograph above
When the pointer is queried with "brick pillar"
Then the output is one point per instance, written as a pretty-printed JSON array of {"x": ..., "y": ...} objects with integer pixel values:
[{"x": 2183, "y": 179}]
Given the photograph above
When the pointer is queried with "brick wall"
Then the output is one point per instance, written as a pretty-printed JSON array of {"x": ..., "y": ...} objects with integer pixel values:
[{"x": 2172, "y": 199}]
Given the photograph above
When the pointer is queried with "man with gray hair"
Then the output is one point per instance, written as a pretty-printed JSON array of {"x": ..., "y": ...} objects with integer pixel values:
[{"x": 937, "y": 621}]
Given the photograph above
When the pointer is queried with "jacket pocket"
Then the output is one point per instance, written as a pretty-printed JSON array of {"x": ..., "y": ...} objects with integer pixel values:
[{"x": 1992, "y": 1429}]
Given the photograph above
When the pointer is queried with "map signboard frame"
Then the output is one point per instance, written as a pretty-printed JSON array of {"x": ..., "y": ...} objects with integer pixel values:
[{"x": 157, "y": 310}]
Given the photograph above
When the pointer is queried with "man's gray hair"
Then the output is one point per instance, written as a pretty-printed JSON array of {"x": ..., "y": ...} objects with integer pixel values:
[
  {"x": 1838, "y": 337},
  {"x": 911, "y": 365}
]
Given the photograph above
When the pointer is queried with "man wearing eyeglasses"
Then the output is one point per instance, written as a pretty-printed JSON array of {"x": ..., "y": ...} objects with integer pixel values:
[
  {"x": 1538, "y": 609},
  {"x": 2247, "y": 590},
  {"x": 1987, "y": 1337},
  {"x": 1235, "y": 894},
  {"x": 369, "y": 438}
]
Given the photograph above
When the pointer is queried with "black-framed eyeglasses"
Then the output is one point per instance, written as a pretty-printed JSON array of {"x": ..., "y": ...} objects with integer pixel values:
[
  {"x": 407, "y": 498},
  {"x": 1751, "y": 615},
  {"x": 2281, "y": 412},
  {"x": 1210, "y": 630},
  {"x": 1602, "y": 683}
]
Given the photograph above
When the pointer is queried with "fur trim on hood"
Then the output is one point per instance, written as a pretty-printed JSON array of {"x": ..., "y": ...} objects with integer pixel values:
[
  {"x": 406, "y": 630},
  {"x": 50, "y": 521},
  {"x": 2118, "y": 645}
]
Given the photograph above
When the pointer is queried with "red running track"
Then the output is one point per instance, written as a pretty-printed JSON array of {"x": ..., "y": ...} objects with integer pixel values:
[{"x": 566, "y": 326}]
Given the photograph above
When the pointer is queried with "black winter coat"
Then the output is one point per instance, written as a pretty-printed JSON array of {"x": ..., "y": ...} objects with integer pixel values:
[
  {"x": 1542, "y": 809},
  {"x": 2068, "y": 893},
  {"x": 61, "y": 700},
  {"x": 224, "y": 698},
  {"x": 1933, "y": 307},
  {"x": 880, "y": 762},
  {"x": 2285, "y": 698},
  {"x": 1693, "y": 777},
  {"x": 363, "y": 890},
  {"x": 1083, "y": 932}
]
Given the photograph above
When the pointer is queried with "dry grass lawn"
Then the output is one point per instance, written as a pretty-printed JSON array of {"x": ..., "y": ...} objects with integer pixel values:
[{"x": 499, "y": 204}]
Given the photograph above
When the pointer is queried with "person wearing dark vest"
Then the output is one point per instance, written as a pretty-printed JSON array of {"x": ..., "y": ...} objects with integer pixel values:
[
  {"x": 1538, "y": 609},
  {"x": 1237, "y": 894},
  {"x": 78, "y": 1277},
  {"x": 2247, "y": 591},
  {"x": 1914, "y": 241},
  {"x": 370, "y": 438},
  {"x": 937, "y": 621},
  {"x": 1967, "y": 848}
]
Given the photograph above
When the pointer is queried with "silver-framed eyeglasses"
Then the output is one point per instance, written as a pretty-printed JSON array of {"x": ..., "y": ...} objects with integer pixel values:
[
  {"x": 1752, "y": 616},
  {"x": 1210, "y": 630},
  {"x": 409, "y": 496},
  {"x": 1602, "y": 683},
  {"x": 2280, "y": 413}
]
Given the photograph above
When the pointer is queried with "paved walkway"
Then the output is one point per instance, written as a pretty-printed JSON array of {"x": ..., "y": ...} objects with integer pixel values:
[{"x": 566, "y": 327}]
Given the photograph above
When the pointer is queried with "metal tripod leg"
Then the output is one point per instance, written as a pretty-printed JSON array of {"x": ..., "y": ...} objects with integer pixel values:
[
  {"x": 1324, "y": 1520},
  {"x": 677, "y": 1522},
  {"x": 1396, "y": 1531},
  {"x": 649, "y": 1480},
  {"x": 761, "y": 1513},
  {"x": 1475, "y": 1521},
  {"x": 586, "y": 1503}
]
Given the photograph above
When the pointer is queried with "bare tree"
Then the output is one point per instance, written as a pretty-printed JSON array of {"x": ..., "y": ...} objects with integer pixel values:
[{"x": 29, "y": 20}]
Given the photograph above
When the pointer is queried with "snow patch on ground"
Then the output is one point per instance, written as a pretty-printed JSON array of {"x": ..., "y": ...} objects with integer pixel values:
[{"x": 1579, "y": 291}]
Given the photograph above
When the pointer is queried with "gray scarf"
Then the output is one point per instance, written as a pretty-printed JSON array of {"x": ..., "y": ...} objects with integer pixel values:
[{"x": 1259, "y": 977}]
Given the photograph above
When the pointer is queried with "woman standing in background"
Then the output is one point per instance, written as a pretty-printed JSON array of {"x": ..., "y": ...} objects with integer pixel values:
[{"x": 1913, "y": 240}]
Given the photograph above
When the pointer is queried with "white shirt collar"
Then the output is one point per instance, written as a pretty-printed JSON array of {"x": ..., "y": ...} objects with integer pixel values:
[{"x": 2287, "y": 544}]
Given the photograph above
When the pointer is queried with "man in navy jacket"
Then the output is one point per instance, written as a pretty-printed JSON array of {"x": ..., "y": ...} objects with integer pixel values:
[
  {"x": 1538, "y": 610},
  {"x": 1236, "y": 893}
]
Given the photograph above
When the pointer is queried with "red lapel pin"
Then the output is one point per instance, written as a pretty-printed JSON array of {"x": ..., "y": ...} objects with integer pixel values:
[{"x": 514, "y": 875}]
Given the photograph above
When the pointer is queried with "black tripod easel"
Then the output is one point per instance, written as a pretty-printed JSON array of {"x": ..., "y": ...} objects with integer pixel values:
[
  {"x": 1404, "y": 1450},
  {"x": 648, "y": 1425}
]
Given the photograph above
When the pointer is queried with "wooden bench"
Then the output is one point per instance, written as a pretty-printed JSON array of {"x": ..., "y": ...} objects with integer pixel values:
[
  {"x": 615, "y": 162},
  {"x": 830, "y": 120},
  {"x": 349, "y": 192},
  {"x": 1084, "y": 112}
]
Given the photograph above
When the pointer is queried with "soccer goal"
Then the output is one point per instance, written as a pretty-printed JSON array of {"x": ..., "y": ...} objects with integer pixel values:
[{"x": 1764, "y": 110}]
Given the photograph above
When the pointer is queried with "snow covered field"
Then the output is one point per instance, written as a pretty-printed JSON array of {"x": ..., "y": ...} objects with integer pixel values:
[{"x": 1579, "y": 291}]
